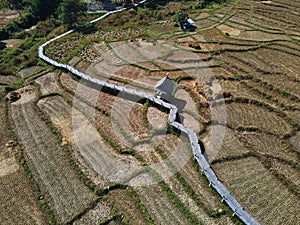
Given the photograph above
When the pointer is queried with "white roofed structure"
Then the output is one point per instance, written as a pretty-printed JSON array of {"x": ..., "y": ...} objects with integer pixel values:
[
  {"x": 190, "y": 21},
  {"x": 164, "y": 87}
]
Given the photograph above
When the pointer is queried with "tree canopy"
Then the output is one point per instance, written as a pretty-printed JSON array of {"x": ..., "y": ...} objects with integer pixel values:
[
  {"x": 34, "y": 10},
  {"x": 180, "y": 15},
  {"x": 69, "y": 10},
  {"x": 204, "y": 3}
]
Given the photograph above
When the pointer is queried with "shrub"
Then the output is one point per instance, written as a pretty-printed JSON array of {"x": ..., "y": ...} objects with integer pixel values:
[
  {"x": 180, "y": 15},
  {"x": 27, "y": 43},
  {"x": 69, "y": 10}
]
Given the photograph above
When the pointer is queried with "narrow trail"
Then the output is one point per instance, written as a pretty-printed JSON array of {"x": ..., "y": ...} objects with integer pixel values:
[{"x": 205, "y": 167}]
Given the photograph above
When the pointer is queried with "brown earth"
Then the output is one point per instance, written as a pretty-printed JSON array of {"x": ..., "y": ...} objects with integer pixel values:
[{"x": 6, "y": 16}]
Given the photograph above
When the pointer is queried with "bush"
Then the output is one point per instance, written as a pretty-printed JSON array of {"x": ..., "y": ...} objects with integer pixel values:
[
  {"x": 208, "y": 3},
  {"x": 8, "y": 54},
  {"x": 153, "y": 4},
  {"x": 6, "y": 69},
  {"x": 68, "y": 11},
  {"x": 12, "y": 27},
  {"x": 43, "y": 28},
  {"x": 180, "y": 15},
  {"x": 27, "y": 43}
]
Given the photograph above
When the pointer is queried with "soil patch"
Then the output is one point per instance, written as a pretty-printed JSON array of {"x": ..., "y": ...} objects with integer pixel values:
[
  {"x": 48, "y": 83},
  {"x": 229, "y": 31},
  {"x": 12, "y": 43},
  {"x": 7, "y": 15}
]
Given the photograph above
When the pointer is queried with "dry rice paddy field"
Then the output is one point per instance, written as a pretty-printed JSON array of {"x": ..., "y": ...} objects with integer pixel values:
[
  {"x": 75, "y": 153},
  {"x": 6, "y": 16}
]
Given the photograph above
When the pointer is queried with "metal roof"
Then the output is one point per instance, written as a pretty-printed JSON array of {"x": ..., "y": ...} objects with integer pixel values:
[
  {"x": 190, "y": 21},
  {"x": 164, "y": 85}
]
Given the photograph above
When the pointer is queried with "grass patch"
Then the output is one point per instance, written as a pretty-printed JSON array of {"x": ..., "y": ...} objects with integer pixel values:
[
  {"x": 141, "y": 206},
  {"x": 14, "y": 86}
]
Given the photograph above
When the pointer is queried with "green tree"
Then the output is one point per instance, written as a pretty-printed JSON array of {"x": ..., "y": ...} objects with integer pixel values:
[
  {"x": 15, "y": 4},
  {"x": 35, "y": 10},
  {"x": 180, "y": 15},
  {"x": 204, "y": 3},
  {"x": 152, "y": 4},
  {"x": 69, "y": 10}
]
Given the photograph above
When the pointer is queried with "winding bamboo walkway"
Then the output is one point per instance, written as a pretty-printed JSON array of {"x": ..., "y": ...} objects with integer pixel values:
[{"x": 227, "y": 197}]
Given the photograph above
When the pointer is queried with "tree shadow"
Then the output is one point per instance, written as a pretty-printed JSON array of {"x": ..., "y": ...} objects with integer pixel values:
[{"x": 2, "y": 45}]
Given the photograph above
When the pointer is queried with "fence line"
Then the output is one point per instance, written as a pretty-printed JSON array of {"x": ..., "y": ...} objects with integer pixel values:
[{"x": 205, "y": 167}]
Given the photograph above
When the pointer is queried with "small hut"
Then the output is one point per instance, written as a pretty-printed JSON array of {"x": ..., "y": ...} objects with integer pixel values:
[
  {"x": 187, "y": 25},
  {"x": 164, "y": 88}
]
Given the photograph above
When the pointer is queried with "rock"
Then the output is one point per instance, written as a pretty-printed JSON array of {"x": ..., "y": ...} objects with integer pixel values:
[
  {"x": 13, "y": 96},
  {"x": 64, "y": 142},
  {"x": 194, "y": 45},
  {"x": 9, "y": 143}
]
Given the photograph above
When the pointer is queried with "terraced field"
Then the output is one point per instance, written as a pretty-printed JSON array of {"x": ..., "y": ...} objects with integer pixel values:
[
  {"x": 87, "y": 149},
  {"x": 97, "y": 215},
  {"x": 248, "y": 115},
  {"x": 160, "y": 207},
  {"x": 45, "y": 157},
  {"x": 18, "y": 200},
  {"x": 247, "y": 178},
  {"x": 260, "y": 90}
]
